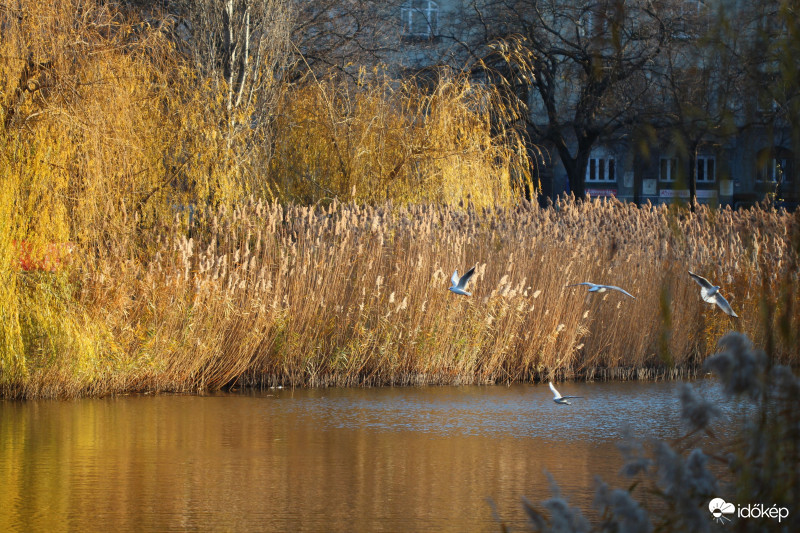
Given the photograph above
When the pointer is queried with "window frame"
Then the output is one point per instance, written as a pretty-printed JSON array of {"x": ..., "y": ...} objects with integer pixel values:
[
  {"x": 430, "y": 15},
  {"x": 705, "y": 159},
  {"x": 672, "y": 169},
  {"x": 772, "y": 165},
  {"x": 607, "y": 164}
]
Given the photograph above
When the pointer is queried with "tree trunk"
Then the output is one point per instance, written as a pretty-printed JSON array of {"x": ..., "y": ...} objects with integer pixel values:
[
  {"x": 573, "y": 174},
  {"x": 575, "y": 166},
  {"x": 577, "y": 181},
  {"x": 693, "y": 174}
]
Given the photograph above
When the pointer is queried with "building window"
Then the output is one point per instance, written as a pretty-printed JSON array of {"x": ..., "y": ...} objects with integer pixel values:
[
  {"x": 706, "y": 173},
  {"x": 775, "y": 166},
  {"x": 669, "y": 169},
  {"x": 775, "y": 171},
  {"x": 420, "y": 19},
  {"x": 691, "y": 7},
  {"x": 601, "y": 169}
]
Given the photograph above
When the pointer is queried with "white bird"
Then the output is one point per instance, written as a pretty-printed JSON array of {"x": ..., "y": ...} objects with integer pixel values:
[
  {"x": 593, "y": 287},
  {"x": 710, "y": 294},
  {"x": 459, "y": 284},
  {"x": 561, "y": 399}
]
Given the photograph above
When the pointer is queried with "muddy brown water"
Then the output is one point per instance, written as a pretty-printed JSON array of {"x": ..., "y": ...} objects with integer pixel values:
[{"x": 383, "y": 459}]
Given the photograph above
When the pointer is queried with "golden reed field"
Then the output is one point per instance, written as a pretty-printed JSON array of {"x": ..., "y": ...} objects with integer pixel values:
[
  {"x": 266, "y": 294},
  {"x": 110, "y": 131}
]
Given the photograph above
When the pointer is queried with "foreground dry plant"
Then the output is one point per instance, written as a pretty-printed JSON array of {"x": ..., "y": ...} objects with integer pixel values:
[
  {"x": 676, "y": 485},
  {"x": 349, "y": 294}
]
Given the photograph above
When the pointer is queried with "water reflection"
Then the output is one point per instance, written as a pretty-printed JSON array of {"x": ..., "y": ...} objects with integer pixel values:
[{"x": 336, "y": 459}]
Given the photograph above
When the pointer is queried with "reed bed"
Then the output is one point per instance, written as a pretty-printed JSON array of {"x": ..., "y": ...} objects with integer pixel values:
[
  {"x": 345, "y": 294},
  {"x": 303, "y": 289}
]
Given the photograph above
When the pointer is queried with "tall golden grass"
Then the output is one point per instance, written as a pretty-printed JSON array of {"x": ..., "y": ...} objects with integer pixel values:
[
  {"x": 350, "y": 294},
  {"x": 108, "y": 134}
]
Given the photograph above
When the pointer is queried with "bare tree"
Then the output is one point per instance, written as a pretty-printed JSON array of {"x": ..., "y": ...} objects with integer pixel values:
[
  {"x": 771, "y": 60},
  {"x": 342, "y": 36},
  {"x": 697, "y": 98},
  {"x": 585, "y": 64},
  {"x": 241, "y": 47},
  {"x": 731, "y": 70}
]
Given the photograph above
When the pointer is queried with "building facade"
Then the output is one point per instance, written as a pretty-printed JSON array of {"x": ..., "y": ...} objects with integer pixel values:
[{"x": 740, "y": 152}]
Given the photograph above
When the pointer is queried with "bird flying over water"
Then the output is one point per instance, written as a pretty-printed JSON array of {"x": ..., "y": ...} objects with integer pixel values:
[
  {"x": 460, "y": 284},
  {"x": 561, "y": 399},
  {"x": 593, "y": 287},
  {"x": 710, "y": 294}
]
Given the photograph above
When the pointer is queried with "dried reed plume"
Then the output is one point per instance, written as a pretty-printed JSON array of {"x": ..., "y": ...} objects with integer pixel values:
[{"x": 350, "y": 295}]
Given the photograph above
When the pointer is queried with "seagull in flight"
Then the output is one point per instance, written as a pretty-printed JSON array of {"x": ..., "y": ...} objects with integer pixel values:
[
  {"x": 459, "y": 284},
  {"x": 710, "y": 294},
  {"x": 593, "y": 287},
  {"x": 561, "y": 399}
]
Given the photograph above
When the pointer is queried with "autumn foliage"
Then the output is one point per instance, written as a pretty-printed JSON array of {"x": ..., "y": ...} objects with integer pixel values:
[{"x": 319, "y": 250}]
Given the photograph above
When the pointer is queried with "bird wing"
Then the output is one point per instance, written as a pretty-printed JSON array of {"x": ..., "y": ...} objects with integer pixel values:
[
  {"x": 623, "y": 291},
  {"x": 572, "y": 397},
  {"x": 454, "y": 279},
  {"x": 723, "y": 304},
  {"x": 556, "y": 394},
  {"x": 462, "y": 283},
  {"x": 703, "y": 282},
  {"x": 581, "y": 283}
]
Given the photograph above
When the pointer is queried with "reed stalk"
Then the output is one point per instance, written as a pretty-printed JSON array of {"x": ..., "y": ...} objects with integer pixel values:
[{"x": 351, "y": 294}]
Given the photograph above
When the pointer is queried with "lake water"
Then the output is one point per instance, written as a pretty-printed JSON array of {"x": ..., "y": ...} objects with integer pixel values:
[{"x": 384, "y": 459}]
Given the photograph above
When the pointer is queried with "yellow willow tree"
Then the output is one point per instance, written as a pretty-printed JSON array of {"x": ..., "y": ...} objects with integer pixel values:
[
  {"x": 84, "y": 118},
  {"x": 382, "y": 139},
  {"x": 82, "y": 90},
  {"x": 101, "y": 121}
]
